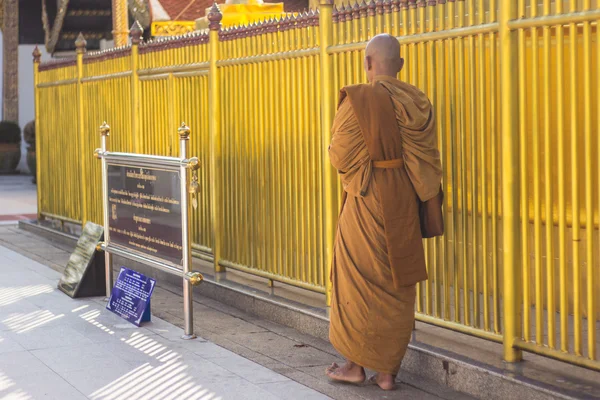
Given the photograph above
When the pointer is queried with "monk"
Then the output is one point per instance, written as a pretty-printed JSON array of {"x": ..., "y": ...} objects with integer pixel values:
[{"x": 384, "y": 146}]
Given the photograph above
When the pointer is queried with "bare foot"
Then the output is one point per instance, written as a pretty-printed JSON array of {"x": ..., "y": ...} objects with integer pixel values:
[
  {"x": 349, "y": 373},
  {"x": 384, "y": 381}
]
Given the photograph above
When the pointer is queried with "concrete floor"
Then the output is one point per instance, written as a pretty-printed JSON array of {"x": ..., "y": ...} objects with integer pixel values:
[
  {"x": 18, "y": 198},
  {"x": 55, "y": 347},
  {"x": 259, "y": 344}
]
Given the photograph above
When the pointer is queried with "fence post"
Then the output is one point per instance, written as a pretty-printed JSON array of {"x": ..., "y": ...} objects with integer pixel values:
[
  {"x": 330, "y": 198},
  {"x": 214, "y": 98},
  {"x": 510, "y": 181},
  {"x": 37, "y": 56},
  {"x": 80, "y": 44},
  {"x": 108, "y": 264},
  {"x": 135, "y": 33}
]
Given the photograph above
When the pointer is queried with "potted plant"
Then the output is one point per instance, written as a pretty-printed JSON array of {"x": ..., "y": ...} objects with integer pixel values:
[
  {"x": 10, "y": 147},
  {"x": 29, "y": 136}
]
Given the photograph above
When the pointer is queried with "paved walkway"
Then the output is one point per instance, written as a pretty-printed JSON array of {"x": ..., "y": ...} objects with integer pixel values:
[
  {"x": 266, "y": 347},
  {"x": 18, "y": 199},
  {"x": 55, "y": 347}
]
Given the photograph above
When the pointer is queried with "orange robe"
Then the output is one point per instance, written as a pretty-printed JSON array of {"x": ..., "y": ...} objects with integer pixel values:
[{"x": 378, "y": 253}]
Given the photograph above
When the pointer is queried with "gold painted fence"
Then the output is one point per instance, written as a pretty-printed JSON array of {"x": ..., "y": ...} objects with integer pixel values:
[{"x": 515, "y": 85}]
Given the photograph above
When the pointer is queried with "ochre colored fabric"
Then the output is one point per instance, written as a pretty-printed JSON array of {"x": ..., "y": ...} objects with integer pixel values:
[
  {"x": 378, "y": 253},
  {"x": 416, "y": 120}
]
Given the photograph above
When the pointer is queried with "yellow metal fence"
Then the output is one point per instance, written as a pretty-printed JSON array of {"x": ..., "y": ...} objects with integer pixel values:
[{"x": 515, "y": 87}]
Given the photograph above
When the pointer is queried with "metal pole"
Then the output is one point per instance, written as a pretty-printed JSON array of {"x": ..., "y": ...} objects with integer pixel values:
[
  {"x": 80, "y": 45},
  {"x": 188, "y": 310},
  {"x": 330, "y": 201},
  {"x": 104, "y": 133},
  {"x": 135, "y": 33},
  {"x": 510, "y": 180},
  {"x": 37, "y": 56},
  {"x": 214, "y": 16}
]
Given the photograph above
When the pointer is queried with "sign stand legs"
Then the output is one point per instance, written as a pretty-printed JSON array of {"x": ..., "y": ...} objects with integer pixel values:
[
  {"x": 188, "y": 308},
  {"x": 109, "y": 274}
]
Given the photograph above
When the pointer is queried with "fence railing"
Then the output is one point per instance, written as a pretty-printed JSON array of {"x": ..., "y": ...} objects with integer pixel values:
[{"x": 515, "y": 86}]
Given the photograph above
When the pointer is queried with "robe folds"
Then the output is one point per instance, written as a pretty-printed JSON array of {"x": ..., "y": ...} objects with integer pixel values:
[{"x": 384, "y": 147}]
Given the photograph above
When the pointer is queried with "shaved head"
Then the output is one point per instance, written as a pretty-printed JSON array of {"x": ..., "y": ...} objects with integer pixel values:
[{"x": 382, "y": 56}]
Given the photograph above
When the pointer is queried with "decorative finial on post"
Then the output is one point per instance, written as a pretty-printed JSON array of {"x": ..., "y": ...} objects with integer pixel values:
[
  {"x": 371, "y": 8},
  {"x": 387, "y": 6},
  {"x": 104, "y": 129},
  {"x": 80, "y": 43},
  {"x": 135, "y": 32},
  {"x": 356, "y": 11},
  {"x": 184, "y": 131},
  {"x": 363, "y": 9},
  {"x": 37, "y": 55},
  {"x": 214, "y": 17}
]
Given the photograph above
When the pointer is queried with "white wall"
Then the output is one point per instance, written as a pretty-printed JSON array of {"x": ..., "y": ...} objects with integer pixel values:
[{"x": 26, "y": 93}]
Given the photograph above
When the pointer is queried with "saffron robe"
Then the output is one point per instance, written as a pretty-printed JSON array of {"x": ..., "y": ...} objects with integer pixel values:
[{"x": 382, "y": 133}]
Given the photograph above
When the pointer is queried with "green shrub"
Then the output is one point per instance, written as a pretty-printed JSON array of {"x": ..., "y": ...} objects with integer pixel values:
[
  {"x": 10, "y": 132},
  {"x": 29, "y": 133}
]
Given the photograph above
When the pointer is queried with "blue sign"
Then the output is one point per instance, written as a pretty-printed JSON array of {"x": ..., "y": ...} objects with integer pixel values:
[{"x": 130, "y": 297}]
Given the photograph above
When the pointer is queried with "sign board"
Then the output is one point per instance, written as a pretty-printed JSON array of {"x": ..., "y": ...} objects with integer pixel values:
[
  {"x": 130, "y": 298},
  {"x": 145, "y": 211},
  {"x": 84, "y": 274}
]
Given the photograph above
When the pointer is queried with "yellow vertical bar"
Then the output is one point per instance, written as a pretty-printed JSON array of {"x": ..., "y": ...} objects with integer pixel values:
[
  {"x": 573, "y": 63},
  {"x": 551, "y": 306},
  {"x": 510, "y": 180},
  {"x": 589, "y": 211},
  {"x": 294, "y": 135},
  {"x": 330, "y": 199},
  {"x": 414, "y": 54},
  {"x": 39, "y": 126},
  {"x": 453, "y": 164},
  {"x": 494, "y": 167},
  {"x": 524, "y": 157},
  {"x": 433, "y": 93},
  {"x": 80, "y": 44},
  {"x": 404, "y": 32},
  {"x": 463, "y": 165},
  {"x": 364, "y": 34},
  {"x": 286, "y": 144},
  {"x": 380, "y": 16},
  {"x": 280, "y": 127},
  {"x": 371, "y": 12},
  {"x": 349, "y": 37},
  {"x": 313, "y": 195},
  {"x": 537, "y": 201},
  {"x": 300, "y": 152},
  {"x": 474, "y": 170},
  {"x": 215, "y": 16},
  {"x": 396, "y": 18},
  {"x": 483, "y": 147},
  {"x": 247, "y": 156},
  {"x": 136, "y": 32},
  {"x": 387, "y": 9},
  {"x": 562, "y": 191},
  {"x": 423, "y": 84},
  {"x": 440, "y": 108},
  {"x": 592, "y": 279},
  {"x": 308, "y": 162}
]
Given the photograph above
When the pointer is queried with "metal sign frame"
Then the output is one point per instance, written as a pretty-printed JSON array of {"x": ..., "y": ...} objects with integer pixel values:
[{"x": 183, "y": 165}]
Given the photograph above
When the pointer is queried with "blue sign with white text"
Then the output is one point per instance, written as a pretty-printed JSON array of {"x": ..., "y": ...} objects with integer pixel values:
[{"x": 130, "y": 297}]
